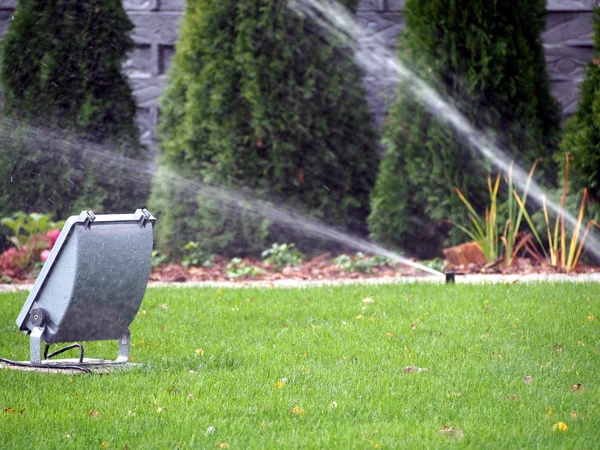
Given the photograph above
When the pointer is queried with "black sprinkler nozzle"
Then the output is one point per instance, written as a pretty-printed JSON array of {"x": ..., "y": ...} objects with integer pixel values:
[{"x": 450, "y": 278}]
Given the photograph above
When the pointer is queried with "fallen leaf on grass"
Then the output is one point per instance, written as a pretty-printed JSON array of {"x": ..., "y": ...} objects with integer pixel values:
[
  {"x": 513, "y": 398},
  {"x": 412, "y": 369},
  {"x": 389, "y": 334},
  {"x": 576, "y": 387},
  {"x": 574, "y": 415},
  {"x": 560, "y": 426},
  {"x": 297, "y": 411},
  {"x": 527, "y": 379},
  {"x": 413, "y": 327},
  {"x": 93, "y": 412},
  {"x": 558, "y": 348},
  {"x": 223, "y": 445},
  {"x": 452, "y": 432},
  {"x": 199, "y": 352},
  {"x": 367, "y": 300},
  {"x": 105, "y": 445}
]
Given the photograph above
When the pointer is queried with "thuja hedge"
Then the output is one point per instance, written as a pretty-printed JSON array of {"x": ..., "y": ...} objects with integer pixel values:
[
  {"x": 582, "y": 132},
  {"x": 487, "y": 57},
  {"x": 66, "y": 102},
  {"x": 259, "y": 101}
]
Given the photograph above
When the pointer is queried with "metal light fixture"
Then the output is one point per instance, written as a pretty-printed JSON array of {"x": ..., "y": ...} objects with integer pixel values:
[{"x": 91, "y": 286}]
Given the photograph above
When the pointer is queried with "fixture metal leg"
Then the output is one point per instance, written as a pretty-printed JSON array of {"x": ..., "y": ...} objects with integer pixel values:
[
  {"x": 35, "y": 345},
  {"x": 124, "y": 343}
]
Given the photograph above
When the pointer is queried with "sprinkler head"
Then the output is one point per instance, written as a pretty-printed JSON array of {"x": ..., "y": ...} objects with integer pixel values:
[{"x": 450, "y": 278}]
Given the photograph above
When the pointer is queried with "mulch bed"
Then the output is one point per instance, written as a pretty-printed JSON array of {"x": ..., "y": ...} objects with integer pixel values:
[{"x": 322, "y": 268}]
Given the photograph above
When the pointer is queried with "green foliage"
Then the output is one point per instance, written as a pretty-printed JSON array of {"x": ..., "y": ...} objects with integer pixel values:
[
  {"x": 281, "y": 255},
  {"x": 258, "y": 101},
  {"x": 31, "y": 235},
  {"x": 64, "y": 94},
  {"x": 194, "y": 256},
  {"x": 23, "y": 226},
  {"x": 360, "y": 262},
  {"x": 488, "y": 58},
  {"x": 582, "y": 132},
  {"x": 237, "y": 268}
]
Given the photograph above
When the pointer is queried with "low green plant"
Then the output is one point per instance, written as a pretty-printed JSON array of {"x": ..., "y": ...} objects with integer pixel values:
[
  {"x": 24, "y": 226},
  {"x": 281, "y": 255},
  {"x": 435, "y": 264},
  {"x": 32, "y": 235},
  {"x": 485, "y": 229},
  {"x": 237, "y": 268},
  {"x": 194, "y": 256},
  {"x": 360, "y": 262},
  {"x": 558, "y": 253},
  {"x": 158, "y": 258}
]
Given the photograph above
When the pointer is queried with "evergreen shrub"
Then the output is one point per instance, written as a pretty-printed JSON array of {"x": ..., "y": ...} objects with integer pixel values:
[
  {"x": 487, "y": 57},
  {"x": 259, "y": 101},
  {"x": 582, "y": 132},
  {"x": 65, "y": 97}
]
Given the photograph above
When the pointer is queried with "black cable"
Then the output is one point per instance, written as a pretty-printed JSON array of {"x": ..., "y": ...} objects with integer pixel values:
[
  {"x": 62, "y": 350},
  {"x": 45, "y": 366}
]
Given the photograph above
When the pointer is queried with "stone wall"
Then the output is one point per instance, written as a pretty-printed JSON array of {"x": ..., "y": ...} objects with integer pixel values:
[{"x": 568, "y": 43}]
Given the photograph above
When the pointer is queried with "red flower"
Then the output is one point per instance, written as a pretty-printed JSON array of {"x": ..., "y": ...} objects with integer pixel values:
[
  {"x": 53, "y": 236},
  {"x": 44, "y": 255}
]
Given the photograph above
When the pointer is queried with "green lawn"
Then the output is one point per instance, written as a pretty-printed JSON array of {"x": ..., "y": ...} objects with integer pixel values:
[{"x": 323, "y": 368}]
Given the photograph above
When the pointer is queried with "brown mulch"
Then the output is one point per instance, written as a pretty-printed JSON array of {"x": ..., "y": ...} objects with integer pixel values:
[
  {"x": 318, "y": 268},
  {"x": 322, "y": 268}
]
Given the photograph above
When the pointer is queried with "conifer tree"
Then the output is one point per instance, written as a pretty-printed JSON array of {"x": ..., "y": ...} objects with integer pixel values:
[
  {"x": 64, "y": 89},
  {"x": 582, "y": 132},
  {"x": 487, "y": 59},
  {"x": 258, "y": 100}
]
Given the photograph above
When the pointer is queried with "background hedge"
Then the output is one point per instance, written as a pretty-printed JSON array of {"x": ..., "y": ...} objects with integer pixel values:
[
  {"x": 488, "y": 58},
  {"x": 582, "y": 132},
  {"x": 260, "y": 101},
  {"x": 65, "y": 95}
]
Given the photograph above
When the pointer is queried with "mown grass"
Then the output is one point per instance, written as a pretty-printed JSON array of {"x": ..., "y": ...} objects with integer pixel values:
[{"x": 320, "y": 368}]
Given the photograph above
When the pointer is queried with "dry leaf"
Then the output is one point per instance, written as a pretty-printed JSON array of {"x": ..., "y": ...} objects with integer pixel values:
[
  {"x": 297, "y": 411},
  {"x": 93, "y": 412},
  {"x": 560, "y": 426},
  {"x": 576, "y": 387},
  {"x": 452, "y": 432},
  {"x": 389, "y": 334},
  {"x": 513, "y": 398},
  {"x": 558, "y": 348},
  {"x": 105, "y": 445},
  {"x": 413, "y": 327},
  {"x": 527, "y": 379}
]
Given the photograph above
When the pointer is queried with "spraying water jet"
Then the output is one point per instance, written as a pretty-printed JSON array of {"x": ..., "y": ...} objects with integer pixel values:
[{"x": 374, "y": 57}]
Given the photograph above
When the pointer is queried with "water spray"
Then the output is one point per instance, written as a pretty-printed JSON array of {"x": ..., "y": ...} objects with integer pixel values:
[{"x": 374, "y": 57}]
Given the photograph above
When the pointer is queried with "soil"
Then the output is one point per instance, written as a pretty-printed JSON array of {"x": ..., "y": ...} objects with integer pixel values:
[{"x": 322, "y": 268}]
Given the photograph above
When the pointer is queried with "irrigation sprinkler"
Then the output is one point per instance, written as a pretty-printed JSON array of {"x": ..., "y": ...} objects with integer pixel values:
[{"x": 90, "y": 288}]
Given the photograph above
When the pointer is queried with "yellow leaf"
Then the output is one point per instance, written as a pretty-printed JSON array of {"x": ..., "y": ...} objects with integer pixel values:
[
  {"x": 297, "y": 411},
  {"x": 199, "y": 352},
  {"x": 560, "y": 426},
  {"x": 105, "y": 445},
  {"x": 223, "y": 445},
  {"x": 389, "y": 334}
]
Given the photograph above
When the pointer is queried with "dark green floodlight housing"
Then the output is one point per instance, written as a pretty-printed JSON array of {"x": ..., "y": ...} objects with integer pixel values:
[{"x": 91, "y": 286}]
